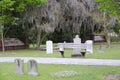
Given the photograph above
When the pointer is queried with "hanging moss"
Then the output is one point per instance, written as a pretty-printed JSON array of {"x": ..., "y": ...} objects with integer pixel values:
[{"x": 80, "y": 16}]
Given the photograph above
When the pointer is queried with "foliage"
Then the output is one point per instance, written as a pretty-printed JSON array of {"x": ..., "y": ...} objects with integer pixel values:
[
  {"x": 114, "y": 39},
  {"x": 117, "y": 28},
  {"x": 112, "y": 7},
  {"x": 21, "y": 5},
  {"x": 8, "y": 8},
  {"x": 5, "y": 9}
]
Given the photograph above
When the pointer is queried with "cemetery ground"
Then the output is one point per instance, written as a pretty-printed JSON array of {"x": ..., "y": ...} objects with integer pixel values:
[
  {"x": 59, "y": 72},
  {"x": 62, "y": 72},
  {"x": 106, "y": 53}
]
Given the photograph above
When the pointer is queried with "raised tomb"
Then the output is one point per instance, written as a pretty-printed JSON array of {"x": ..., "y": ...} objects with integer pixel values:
[{"x": 14, "y": 43}]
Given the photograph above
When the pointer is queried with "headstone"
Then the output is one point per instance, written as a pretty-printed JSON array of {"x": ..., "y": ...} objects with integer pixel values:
[
  {"x": 77, "y": 41},
  {"x": 19, "y": 66},
  {"x": 101, "y": 48},
  {"x": 89, "y": 46},
  {"x": 32, "y": 68},
  {"x": 49, "y": 47}
]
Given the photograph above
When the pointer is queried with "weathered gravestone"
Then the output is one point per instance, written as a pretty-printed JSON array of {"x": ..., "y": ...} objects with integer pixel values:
[
  {"x": 101, "y": 48},
  {"x": 77, "y": 41},
  {"x": 32, "y": 68},
  {"x": 19, "y": 66},
  {"x": 49, "y": 47}
]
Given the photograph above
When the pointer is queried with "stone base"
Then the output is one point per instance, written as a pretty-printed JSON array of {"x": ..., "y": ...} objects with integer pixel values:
[
  {"x": 33, "y": 73},
  {"x": 79, "y": 55},
  {"x": 76, "y": 55}
]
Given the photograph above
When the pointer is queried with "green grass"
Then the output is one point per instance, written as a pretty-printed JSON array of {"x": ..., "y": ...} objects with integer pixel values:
[
  {"x": 111, "y": 53},
  {"x": 47, "y": 72}
]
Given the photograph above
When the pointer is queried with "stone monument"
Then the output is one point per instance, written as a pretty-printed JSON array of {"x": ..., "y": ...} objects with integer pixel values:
[
  {"x": 89, "y": 46},
  {"x": 101, "y": 48},
  {"x": 77, "y": 41},
  {"x": 32, "y": 68},
  {"x": 49, "y": 47},
  {"x": 19, "y": 66}
]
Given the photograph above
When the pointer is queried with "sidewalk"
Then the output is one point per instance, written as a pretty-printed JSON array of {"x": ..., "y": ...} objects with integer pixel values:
[{"x": 73, "y": 61}]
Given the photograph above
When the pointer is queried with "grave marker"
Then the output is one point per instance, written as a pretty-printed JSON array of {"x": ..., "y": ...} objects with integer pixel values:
[
  {"x": 89, "y": 46},
  {"x": 49, "y": 47},
  {"x": 19, "y": 66},
  {"x": 101, "y": 48},
  {"x": 77, "y": 41},
  {"x": 32, "y": 68}
]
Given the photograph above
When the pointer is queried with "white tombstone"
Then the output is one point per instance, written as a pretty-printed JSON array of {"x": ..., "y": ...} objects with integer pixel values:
[
  {"x": 77, "y": 41},
  {"x": 49, "y": 47},
  {"x": 89, "y": 46}
]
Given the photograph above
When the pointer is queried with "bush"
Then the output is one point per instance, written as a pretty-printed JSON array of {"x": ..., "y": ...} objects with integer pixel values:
[{"x": 114, "y": 38}]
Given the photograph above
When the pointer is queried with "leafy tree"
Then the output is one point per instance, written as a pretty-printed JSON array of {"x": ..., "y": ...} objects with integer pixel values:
[
  {"x": 5, "y": 17},
  {"x": 109, "y": 8},
  {"x": 112, "y": 7},
  {"x": 9, "y": 7}
]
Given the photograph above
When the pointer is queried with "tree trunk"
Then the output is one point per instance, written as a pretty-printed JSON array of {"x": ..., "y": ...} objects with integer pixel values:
[
  {"x": 107, "y": 37},
  {"x": 38, "y": 41},
  {"x": 3, "y": 46},
  {"x": 106, "y": 32},
  {"x": 2, "y": 38},
  {"x": 43, "y": 37}
]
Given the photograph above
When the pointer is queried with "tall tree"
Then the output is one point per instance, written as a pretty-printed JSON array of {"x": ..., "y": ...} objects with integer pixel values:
[
  {"x": 111, "y": 8},
  {"x": 7, "y": 7},
  {"x": 5, "y": 17}
]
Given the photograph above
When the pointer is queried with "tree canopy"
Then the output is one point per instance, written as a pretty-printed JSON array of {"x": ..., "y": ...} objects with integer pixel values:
[
  {"x": 8, "y": 6},
  {"x": 112, "y": 7},
  {"x": 9, "y": 9}
]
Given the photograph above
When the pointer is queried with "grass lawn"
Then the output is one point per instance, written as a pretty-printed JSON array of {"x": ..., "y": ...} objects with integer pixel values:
[
  {"x": 111, "y": 53},
  {"x": 59, "y": 72}
]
